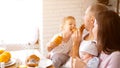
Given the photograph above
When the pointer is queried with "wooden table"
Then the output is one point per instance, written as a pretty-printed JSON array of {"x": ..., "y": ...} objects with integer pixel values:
[{"x": 21, "y": 55}]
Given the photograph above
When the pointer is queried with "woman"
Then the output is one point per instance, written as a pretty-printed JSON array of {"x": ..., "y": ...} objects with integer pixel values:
[
  {"x": 107, "y": 33},
  {"x": 80, "y": 38}
]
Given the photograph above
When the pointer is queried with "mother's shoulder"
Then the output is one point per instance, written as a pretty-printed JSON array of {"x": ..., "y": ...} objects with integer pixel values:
[{"x": 116, "y": 53}]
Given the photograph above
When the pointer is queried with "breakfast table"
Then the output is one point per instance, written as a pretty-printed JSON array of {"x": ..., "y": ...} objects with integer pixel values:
[{"x": 18, "y": 59}]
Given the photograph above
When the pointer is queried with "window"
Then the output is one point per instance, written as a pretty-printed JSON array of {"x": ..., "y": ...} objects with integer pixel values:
[{"x": 19, "y": 21}]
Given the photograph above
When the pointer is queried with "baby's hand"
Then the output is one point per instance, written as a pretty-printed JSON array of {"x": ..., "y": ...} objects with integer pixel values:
[
  {"x": 48, "y": 56},
  {"x": 51, "y": 46}
]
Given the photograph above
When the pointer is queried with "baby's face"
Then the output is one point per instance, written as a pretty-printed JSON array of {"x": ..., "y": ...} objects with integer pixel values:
[
  {"x": 70, "y": 24},
  {"x": 85, "y": 55}
]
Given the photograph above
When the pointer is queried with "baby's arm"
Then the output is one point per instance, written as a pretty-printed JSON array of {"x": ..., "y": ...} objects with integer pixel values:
[{"x": 50, "y": 46}]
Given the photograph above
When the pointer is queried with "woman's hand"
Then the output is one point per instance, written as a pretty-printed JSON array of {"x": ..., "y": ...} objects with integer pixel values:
[
  {"x": 77, "y": 63},
  {"x": 77, "y": 35},
  {"x": 76, "y": 42}
]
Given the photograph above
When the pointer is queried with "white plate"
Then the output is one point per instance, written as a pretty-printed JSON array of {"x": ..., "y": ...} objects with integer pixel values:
[
  {"x": 11, "y": 62},
  {"x": 45, "y": 63}
]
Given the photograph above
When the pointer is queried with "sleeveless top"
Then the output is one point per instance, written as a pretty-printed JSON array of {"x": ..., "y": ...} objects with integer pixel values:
[{"x": 64, "y": 47}]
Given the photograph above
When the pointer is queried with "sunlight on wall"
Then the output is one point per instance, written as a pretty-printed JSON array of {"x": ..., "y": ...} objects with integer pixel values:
[{"x": 19, "y": 21}]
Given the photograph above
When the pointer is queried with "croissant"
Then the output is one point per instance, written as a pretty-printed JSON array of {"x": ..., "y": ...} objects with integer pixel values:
[
  {"x": 32, "y": 60},
  {"x": 58, "y": 40}
]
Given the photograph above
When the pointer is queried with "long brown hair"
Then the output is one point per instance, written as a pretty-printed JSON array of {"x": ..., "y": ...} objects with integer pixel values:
[{"x": 108, "y": 36}]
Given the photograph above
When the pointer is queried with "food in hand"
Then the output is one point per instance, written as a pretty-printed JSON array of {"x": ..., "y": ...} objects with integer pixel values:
[
  {"x": 4, "y": 56},
  {"x": 32, "y": 60},
  {"x": 58, "y": 40},
  {"x": 74, "y": 29},
  {"x": 82, "y": 27}
]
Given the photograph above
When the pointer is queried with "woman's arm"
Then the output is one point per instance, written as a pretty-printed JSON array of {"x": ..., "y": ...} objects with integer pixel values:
[
  {"x": 75, "y": 50},
  {"x": 77, "y": 38}
]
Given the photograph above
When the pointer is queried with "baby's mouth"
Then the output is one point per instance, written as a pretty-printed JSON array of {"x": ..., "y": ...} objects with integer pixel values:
[{"x": 74, "y": 29}]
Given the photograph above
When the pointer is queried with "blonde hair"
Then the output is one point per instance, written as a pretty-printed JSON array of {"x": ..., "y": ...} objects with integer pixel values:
[{"x": 65, "y": 19}]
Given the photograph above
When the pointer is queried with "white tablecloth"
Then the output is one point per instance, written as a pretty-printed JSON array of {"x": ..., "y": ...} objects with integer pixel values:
[{"x": 21, "y": 56}]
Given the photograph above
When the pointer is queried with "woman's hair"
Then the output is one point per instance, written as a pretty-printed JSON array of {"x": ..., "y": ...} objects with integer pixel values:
[
  {"x": 96, "y": 8},
  {"x": 108, "y": 36},
  {"x": 65, "y": 19}
]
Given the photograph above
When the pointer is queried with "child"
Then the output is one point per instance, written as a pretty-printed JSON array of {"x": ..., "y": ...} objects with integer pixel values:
[
  {"x": 88, "y": 54},
  {"x": 61, "y": 44}
]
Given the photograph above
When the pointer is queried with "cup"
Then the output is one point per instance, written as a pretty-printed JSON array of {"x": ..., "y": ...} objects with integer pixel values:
[{"x": 2, "y": 65}]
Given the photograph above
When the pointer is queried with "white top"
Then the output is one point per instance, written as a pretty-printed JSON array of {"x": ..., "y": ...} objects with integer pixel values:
[{"x": 63, "y": 47}]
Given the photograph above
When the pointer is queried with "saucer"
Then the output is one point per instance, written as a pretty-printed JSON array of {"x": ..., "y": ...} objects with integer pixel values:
[{"x": 11, "y": 62}]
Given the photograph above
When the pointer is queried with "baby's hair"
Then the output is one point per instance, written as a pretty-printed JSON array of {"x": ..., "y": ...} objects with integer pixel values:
[{"x": 64, "y": 19}]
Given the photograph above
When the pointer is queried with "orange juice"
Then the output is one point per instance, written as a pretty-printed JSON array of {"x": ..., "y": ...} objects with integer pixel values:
[
  {"x": 5, "y": 56},
  {"x": 1, "y": 51}
]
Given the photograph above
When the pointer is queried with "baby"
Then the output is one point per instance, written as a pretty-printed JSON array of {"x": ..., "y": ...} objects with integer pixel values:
[
  {"x": 60, "y": 45},
  {"x": 88, "y": 54}
]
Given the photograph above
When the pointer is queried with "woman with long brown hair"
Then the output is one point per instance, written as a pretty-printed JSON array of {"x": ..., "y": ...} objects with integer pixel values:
[{"x": 107, "y": 33}]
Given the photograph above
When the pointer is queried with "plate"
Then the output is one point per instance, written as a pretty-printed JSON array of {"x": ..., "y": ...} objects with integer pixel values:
[
  {"x": 45, "y": 63},
  {"x": 11, "y": 62}
]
